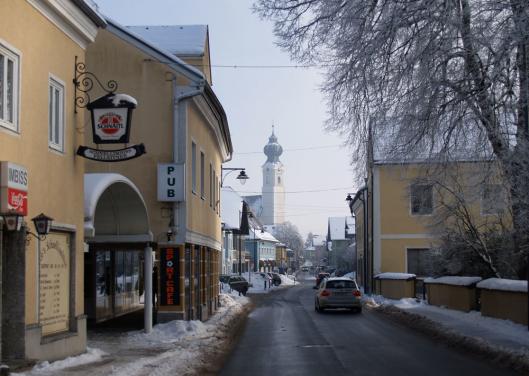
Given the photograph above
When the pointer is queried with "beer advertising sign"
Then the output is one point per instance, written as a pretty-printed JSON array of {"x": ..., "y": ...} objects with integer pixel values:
[
  {"x": 110, "y": 124},
  {"x": 13, "y": 188},
  {"x": 169, "y": 276}
]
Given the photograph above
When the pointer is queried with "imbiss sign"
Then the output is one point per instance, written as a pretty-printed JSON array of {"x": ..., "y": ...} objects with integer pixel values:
[{"x": 13, "y": 188}]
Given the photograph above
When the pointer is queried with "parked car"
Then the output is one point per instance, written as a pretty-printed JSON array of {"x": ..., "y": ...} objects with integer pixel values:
[
  {"x": 236, "y": 282},
  {"x": 320, "y": 278},
  {"x": 338, "y": 292}
]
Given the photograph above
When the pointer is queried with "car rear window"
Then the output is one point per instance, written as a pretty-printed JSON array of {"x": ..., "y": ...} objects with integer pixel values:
[{"x": 341, "y": 285}]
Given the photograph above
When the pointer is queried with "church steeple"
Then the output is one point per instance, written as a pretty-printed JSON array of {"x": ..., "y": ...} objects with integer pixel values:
[{"x": 273, "y": 150}]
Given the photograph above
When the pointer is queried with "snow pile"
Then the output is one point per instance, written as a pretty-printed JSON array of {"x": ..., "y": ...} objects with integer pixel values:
[
  {"x": 350, "y": 275},
  {"x": 503, "y": 284},
  {"x": 454, "y": 280},
  {"x": 503, "y": 334},
  {"x": 117, "y": 98},
  {"x": 172, "y": 348},
  {"x": 288, "y": 280},
  {"x": 91, "y": 355},
  {"x": 399, "y": 276}
]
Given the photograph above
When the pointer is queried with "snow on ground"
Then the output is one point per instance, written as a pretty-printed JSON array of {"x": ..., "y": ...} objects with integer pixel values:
[
  {"x": 395, "y": 276},
  {"x": 258, "y": 283},
  {"x": 176, "y": 347},
  {"x": 496, "y": 332}
]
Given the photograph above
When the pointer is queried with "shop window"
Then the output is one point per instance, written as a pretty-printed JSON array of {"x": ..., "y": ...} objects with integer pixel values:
[
  {"x": 194, "y": 167},
  {"x": 56, "y": 115},
  {"x": 421, "y": 197},
  {"x": 9, "y": 82}
]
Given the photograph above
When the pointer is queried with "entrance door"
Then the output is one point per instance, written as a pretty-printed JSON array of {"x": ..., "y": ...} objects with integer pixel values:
[
  {"x": 188, "y": 301},
  {"x": 196, "y": 283}
]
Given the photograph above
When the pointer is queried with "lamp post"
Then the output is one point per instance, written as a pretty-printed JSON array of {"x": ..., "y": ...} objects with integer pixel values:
[{"x": 242, "y": 177}]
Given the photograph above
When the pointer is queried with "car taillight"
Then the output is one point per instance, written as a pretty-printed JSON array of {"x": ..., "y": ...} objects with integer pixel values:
[
  {"x": 325, "y": 293},
  {"x": 357, "y": 293}
]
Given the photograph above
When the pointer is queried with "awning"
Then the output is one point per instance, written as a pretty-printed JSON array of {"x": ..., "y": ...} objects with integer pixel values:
[{"x": 114, "y": 210}]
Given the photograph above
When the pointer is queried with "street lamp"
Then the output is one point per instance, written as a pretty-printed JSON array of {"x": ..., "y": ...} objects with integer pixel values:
[{"x": 242, "y": 177}]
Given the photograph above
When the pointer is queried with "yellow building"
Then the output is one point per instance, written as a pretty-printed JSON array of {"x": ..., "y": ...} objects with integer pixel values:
[
  {"x": 401, "y": 210},
  {"x": 42, "y": 312},
  {"x": 175, "y": 185}
]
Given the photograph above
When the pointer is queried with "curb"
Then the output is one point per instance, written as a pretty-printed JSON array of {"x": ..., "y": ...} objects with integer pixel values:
[{"x": 498, "y": 355}]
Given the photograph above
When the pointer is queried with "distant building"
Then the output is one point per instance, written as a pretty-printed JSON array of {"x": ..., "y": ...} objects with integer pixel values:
[
  {"x": 340, "y": 237},
  {"x": 269, "y": 207}
]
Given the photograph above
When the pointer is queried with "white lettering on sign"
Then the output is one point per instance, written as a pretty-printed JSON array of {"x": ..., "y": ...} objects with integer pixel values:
[
  {"x": 14, "y": 176},
  {"x": 171, "y": 182}
]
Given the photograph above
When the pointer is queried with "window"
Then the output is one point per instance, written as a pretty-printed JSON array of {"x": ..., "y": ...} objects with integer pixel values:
[
  {"x": 210, "y": 185},
  {"x": 492, "y": 199},
  {"x": 202, "y": 177},
  {"x": 421, "y": 196},
  {"x": 56, "y": 115},
  {"x": 194, "y": 167},
  {"x": 9, "y": 77},
  {"x": 420, "y": 261},
  {"x": 214, "y": 190}
]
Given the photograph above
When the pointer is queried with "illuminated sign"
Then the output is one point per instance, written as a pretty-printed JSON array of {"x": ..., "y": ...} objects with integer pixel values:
[{"x": 169, "y": 276}]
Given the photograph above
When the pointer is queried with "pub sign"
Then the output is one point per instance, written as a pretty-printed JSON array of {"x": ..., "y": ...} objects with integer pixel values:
[
  {"x": 169, "y": 276},
  {"x": 111, "y": 117}
]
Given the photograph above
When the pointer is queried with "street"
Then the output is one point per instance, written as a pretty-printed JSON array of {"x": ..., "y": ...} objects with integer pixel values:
[{"x": 285, "y": 336}]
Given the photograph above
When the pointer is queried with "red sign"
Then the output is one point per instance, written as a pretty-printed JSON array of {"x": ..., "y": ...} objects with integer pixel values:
[
  {"x": 17, "y": 200},
  {"x": 13, "y": 188},
  {"x": 110, "y": 123},
  {"x": 169, "y": 277}
]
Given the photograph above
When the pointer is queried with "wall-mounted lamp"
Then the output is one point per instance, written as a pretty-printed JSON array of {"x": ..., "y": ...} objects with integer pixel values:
[
  {"x": 42, "y": 225},
  {"x": 13, "y": 220},
  {"x": 242, "y": 177}
]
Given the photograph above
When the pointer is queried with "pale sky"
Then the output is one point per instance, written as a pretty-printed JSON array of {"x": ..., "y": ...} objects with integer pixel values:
[{"x": 254, "y": 98}]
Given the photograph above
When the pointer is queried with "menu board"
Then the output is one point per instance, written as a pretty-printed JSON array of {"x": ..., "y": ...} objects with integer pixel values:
[{"x": 54, "y": 281}]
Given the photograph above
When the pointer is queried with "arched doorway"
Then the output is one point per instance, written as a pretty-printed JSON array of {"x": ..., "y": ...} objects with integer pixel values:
[{"x": 118, "y": 261}]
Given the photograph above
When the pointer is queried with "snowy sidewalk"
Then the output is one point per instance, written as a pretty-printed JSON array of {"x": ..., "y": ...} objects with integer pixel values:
[
  {"x": 495, "y": 334},
  {"x": 176, "y": 347}
]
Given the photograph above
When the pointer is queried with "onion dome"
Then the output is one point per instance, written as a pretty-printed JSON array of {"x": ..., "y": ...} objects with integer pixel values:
[{"x": 273, "y": 150}]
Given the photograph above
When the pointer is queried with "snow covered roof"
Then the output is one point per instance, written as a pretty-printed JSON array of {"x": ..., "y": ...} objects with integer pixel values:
[
  {"x": 181, "y": 40},
  {"x": 230, "y": 208},
  {"x": 154, "y": 50},
  {"x": 398, "y": 276},
  {"x": 266, "y": 236},
  {"x": 90, "y": 9},
  {"x": 503, "y": 284},
  {"x": 336, "y": 228},
  {"x": 454, "y": 280}
]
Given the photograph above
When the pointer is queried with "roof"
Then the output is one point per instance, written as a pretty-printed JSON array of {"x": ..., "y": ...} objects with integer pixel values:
[
  {"x": 155, "y": 52},
  {"x": 230, "y": 208},
  {"x": 266, "y": 236},
  {"x": 336, "y": 229},
  {"x": 181, "y": 40},
  {"x": 91, "y": 11}
]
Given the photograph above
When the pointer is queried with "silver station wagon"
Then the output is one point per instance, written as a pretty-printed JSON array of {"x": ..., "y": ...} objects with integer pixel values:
[{"x": 338, "y": 293}]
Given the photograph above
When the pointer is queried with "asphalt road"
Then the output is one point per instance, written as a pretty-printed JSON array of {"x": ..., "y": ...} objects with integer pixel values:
[{"x": 285, "y": 336}]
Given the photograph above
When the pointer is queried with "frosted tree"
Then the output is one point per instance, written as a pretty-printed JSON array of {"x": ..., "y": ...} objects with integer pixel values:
[{"x": 437, "y": 78}]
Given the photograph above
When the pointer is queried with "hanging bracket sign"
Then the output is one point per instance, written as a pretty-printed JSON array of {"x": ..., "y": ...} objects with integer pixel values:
[{"x": 111, "y": 120}]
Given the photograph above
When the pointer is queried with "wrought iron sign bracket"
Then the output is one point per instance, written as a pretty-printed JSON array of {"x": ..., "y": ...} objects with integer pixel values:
[{"x": 84, "y": 83}]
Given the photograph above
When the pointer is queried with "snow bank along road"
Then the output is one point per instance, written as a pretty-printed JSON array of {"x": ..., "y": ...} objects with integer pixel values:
[{"x": 285, "y": 336}]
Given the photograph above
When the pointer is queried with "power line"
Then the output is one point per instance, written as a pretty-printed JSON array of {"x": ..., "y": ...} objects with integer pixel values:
[
  {"x": 294, "y": 149},
  {"x": 308, "y": 191}
]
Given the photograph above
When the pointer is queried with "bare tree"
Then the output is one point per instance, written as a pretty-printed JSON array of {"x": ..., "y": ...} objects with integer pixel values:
[
  {"x": 443, "y": 79},
  {"x": 288, "y": 234}
]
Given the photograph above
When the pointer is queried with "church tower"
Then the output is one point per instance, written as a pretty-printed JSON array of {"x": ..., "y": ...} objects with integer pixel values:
[{"x": 273, "y": 201}]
